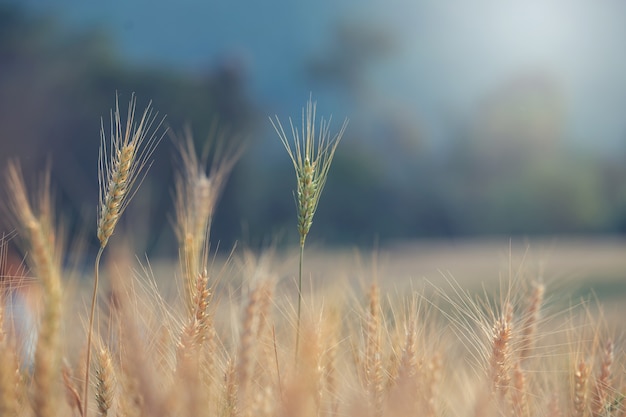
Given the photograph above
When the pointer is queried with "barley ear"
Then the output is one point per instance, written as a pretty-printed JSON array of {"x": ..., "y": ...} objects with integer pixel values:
[
  {"x": 122, "y": 161},
  {"x": 41, "y": 238},
  {"x": 198, "y": 187},
  {"x": 122, "y": 164},
  {"x": 373, "y": 371},
  {"x": 105, "y": 381},
  {"x": 501, "y": 352},
  {"x": 602, "y": 384},
  {"x": 311, "y": 157},
  {"x": 581, "y": 378}
]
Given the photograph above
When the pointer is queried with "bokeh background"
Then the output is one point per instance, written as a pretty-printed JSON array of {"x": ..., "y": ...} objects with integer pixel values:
[{"x": 484, "y": 117}]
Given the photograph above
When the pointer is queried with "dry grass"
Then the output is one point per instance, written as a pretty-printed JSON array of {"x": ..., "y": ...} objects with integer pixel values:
[{"x": 224, "y": 344}]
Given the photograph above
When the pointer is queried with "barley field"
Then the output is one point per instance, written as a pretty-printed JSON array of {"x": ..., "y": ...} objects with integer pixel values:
[{"x": 499, "y": 327}]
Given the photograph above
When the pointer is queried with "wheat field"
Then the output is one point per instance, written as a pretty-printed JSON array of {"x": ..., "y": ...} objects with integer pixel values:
[{"x": 499, "y": 328}]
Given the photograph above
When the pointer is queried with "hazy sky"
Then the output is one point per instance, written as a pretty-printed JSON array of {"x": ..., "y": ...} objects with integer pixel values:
[{"x": 448, "y": 55}]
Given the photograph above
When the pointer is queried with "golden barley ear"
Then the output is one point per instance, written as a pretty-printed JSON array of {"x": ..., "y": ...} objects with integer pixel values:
[
  {"x": 122, "y": 164},
  {"x": 196, "y": 335},
  {"x": 500, "y": 361},
  {"x": 106, "y": 383},
  {"x": 581, "y": 380},
  {"x": 602, "y": 383},
  {"x": 198, "y": 186}
]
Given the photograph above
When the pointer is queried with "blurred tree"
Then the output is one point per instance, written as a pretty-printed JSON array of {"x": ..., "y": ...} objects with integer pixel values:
[
  {"x": 54, "y": 87},
  {"x": 505, "y": 170},
  {"x": 355, "y": 47}
]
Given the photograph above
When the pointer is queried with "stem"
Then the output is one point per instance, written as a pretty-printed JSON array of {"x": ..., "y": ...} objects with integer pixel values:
[
  {"x": 299, "y": 299},
  {"x": 90, "y": 331}
]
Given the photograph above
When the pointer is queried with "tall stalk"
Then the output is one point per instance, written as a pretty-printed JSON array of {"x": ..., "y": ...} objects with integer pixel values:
[
  {"x": 122, "y": 161},
  {"x": 311, "y": 156}
]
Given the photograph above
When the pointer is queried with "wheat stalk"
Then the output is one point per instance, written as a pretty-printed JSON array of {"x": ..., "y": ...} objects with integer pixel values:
[
  {"x": 9, "y": 383},
  {"x": 230, "y": 390},
  {"x": 311, "y": 156},
  {"x": 245, "y": 356},
  {"x": 373, "y": 371},
  {"x": 531, "y": 319},
  {"x": 9, "y": 364},
  {"x": 519, "y": 395},
  {"x": 122, "y": 165},
  {"x": 41, "y": 236},
  {"x": 71, "y": 391},
  {"x": 197, "y": 193}
]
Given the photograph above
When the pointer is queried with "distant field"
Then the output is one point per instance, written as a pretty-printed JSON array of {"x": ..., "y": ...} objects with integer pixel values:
[
  {"x": 474, "y": 261},
  {"x": 571, "y": 267},
  {"x": 590, "y": 262}
]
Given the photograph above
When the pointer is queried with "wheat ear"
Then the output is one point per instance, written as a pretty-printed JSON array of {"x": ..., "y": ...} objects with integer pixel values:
[
  {"x": 501, "y": 352},
  {"x": 603, "y": 381},
  {"x": 123, "y": 160},
  {"x": 196, "y": 332},
  {"x": 197, "y": 193},
  {"x": 581, "y": 377},
  {"x": 373, "y": 371},
  {"x": 41, "y": 237},
  {"x": 105, "y": 381},
  {"x": 311, "y": 156},
  {"x": 230, "y": 390}
]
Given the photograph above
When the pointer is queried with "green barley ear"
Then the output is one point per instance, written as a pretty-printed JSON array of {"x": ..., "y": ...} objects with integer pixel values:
[
  {"x": 122, "y": 165},
  {"x": 311, "y": 156}
]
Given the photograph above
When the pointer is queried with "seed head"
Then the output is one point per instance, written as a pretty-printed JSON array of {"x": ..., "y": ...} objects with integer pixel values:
[
  {"x": 311, "y": 156},
  {"x": 123, "y": 159}
]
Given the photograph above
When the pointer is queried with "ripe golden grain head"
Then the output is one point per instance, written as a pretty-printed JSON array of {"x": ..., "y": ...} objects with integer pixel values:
[{"x": 123, "y": 162}]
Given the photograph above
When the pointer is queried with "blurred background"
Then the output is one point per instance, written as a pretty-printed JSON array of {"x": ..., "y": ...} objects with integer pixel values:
[{"x": 476, "y": 118}]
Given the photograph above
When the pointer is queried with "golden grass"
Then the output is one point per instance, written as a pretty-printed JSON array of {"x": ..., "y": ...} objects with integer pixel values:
[
  {"x": 224, "y": 344},
  {"x": 41, "y": 238},
  {"x": 130, "y": 147}
]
